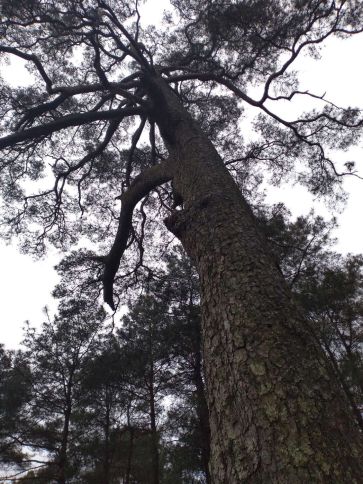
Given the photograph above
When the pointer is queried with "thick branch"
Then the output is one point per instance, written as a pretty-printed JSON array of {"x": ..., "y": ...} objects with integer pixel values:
[
  {"x": 36, "y": 111},
  {"x": 145, "y": 182},
  {"x": 134, "y": 141},
  {"x": 97, "y": 61},
  {"x": 67, "y": 122},
  {"x": 130, "y": 82}
]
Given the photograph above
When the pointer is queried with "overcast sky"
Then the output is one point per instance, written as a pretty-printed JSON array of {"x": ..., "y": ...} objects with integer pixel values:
[{"x": 26, "y": 285}]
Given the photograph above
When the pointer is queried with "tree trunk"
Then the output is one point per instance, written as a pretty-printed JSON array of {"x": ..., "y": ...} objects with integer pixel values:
[
  {"x": 277, "y": 412},
  {"x": 64, "y": 443},
  {"x": 202, "y": 414},
  {"x": 106, "y": 453},
  {"x": 129, "y": 455},
  {"x": 154, "y": 441},
  {"x": 154, "y": 434},
  {"x": 130, "y": 447},
  {"x": 201, "y": 403}
]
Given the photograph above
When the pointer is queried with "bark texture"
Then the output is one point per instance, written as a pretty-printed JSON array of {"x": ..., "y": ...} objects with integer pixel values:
[
  {"x": 277, "y": 412},
  {"x": 202, "y": 414}
]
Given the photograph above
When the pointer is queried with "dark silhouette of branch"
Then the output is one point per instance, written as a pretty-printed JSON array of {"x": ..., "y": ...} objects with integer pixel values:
[
  {"x": 134, "y": 140},
  {"x": 145, "y": 182},
  {"x": 68, "y": 121},
  {"x": 32, "y": 58},
  {"x": 36, "y": 111}
]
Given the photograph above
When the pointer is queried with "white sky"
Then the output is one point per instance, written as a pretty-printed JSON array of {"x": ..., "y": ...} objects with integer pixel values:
[
  {"x": 340, "y": 75},
  {"x": 26, "y": 285}
]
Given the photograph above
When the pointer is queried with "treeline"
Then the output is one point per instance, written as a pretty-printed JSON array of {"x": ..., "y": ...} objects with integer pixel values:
[{"x": 86, "y": 402}]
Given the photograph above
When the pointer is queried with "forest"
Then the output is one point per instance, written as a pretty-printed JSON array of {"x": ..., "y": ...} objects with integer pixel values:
[
  {"x": 85, "y": 403},
  {"x": 202, "y": 336}
]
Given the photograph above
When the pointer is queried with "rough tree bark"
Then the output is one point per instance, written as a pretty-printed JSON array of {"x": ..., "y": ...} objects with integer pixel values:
[
  {"x": 197, "y": 378},
  {"x": 202, "y": 414},
  {"x": 277, "y": 412}
]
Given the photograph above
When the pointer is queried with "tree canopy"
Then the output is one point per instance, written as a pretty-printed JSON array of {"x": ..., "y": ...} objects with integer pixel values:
[{"x": 86, "y": 116}]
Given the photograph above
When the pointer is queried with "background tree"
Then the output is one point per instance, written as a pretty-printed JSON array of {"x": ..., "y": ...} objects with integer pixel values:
[
  {"x": 14, "y": 395},
  {"x": 327, "y": 286},
  {"x": 145, "y": 337},
  {"x": 101, "y": 421},
  {"x": 266, "y": 373},
  {"x": 333, "y": 302},
  {"x": 112, "y": 427},
  {"x": 178, "y": 290},
  {"x": 54, "y": 357}
]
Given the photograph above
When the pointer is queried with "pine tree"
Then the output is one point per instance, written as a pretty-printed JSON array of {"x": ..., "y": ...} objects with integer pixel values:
[
  {"x": 54, "y": 356},
  {"x": 95, "y": 68},
  {"x": 14, "y": 395}
]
